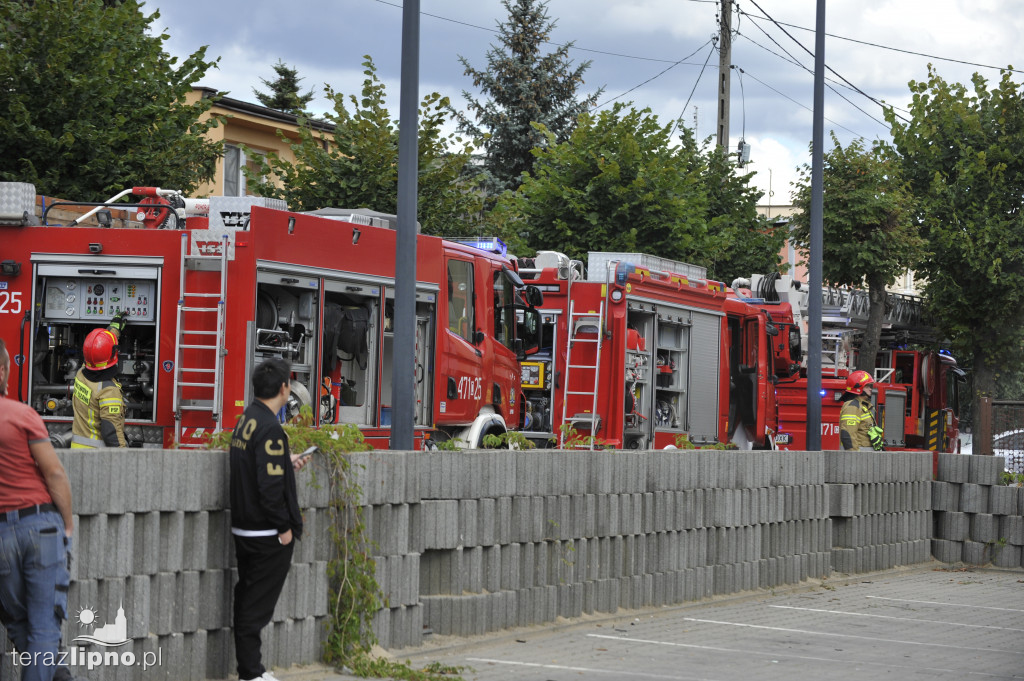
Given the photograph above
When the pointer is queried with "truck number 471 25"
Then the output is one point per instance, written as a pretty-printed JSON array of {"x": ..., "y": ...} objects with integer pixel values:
[
  {"x": 470, "y": 388},
  {"x": 10, "y": 302}
]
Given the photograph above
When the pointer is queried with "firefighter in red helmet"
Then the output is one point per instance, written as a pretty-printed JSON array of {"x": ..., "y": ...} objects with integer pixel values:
[
  {"x": 857, "y": 429},
  {"x": 98, "y": 402}
]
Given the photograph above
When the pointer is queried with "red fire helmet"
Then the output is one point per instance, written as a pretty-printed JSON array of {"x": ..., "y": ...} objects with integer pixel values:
[
  {"x": 100, "y": 349},
  {"x": 857, "y": 381}
]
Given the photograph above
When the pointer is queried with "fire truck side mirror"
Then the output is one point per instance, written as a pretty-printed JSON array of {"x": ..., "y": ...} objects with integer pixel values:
[
  {"x": 528, "y": 332},
  {"x": 534, "y": 296}
]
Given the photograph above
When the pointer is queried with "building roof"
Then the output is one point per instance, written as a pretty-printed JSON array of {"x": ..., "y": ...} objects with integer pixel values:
[{"x": 251, "y": 109}]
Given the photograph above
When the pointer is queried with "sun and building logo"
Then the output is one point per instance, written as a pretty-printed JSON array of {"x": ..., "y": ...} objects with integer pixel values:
[
  {"x": 109, "y": 635},
  {"x": 98, "y": 646}
]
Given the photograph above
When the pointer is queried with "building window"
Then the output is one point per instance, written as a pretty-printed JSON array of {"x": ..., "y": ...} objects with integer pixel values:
[{"x": 236, "y": 160}]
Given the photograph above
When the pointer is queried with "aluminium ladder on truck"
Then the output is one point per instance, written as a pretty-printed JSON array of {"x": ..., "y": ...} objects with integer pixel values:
[
  {"x": 203, "y": 379},
  {"x": 581, "y": 326}
]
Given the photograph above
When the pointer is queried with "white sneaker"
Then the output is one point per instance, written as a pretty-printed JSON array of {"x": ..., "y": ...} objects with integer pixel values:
[{"x": 267, "y": 676}]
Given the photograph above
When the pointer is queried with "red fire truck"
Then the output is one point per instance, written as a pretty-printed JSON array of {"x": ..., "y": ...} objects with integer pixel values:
[
  {"x": 210, "y": 296},
  {"x": 917, "y": 388},
  {"x": 641, "y": 352}
]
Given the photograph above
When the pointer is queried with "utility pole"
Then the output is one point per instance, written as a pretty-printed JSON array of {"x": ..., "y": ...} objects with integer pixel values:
[
  {"x": 403, "y": 406},
  {"x": 724, "y": 70},
  {"x": 817, "y": 220}
]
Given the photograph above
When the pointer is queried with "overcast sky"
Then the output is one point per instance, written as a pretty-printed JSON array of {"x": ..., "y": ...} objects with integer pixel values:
[{"x": 648, "y": 52}]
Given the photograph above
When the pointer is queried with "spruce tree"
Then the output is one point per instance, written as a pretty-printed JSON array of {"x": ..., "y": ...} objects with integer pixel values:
[
  {"x": 521, "y": 86},
  {"x": 284, "y": 91}
]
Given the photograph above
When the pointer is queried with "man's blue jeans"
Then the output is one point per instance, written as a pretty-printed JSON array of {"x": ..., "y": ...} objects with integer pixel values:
[{"x": 34, "y": 589}]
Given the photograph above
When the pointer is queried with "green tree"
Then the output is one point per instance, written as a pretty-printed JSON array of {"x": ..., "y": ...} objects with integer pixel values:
[
  {"x": 961, "y": 154},
  {"x": 91, "y": 104},
  {"x": 743, "y": 242},
  {"x": 619, "y": 184},
  {"x": 357, "y": 166},
  {"x": 284, "y": 91},
  {"x": 869, "y": 234},
  {"x": 523, "y": 87},
  {"x": 615, "y": 185}
]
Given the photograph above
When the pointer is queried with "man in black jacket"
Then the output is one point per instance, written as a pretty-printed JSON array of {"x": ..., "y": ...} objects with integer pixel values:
[{"x": 265, "y": 517}]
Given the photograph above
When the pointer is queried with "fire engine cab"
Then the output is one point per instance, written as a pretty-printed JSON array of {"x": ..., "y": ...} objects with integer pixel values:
[
  {"x": 642, "y": 352},
  {"x": 214, "y": 287},
  {"x": 917, "y": 388}
]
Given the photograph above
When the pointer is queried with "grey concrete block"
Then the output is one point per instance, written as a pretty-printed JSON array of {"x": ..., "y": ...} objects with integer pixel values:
[
  {"x": 953, "y": 468},
  {"x": 984, "y": 527},
  {"x": 91, "y": 551},
  {"x": 1002, "y": 500},
  {"x": 1006, "y": 556},
  {"x": 974, "y": 498},
  {"x": 172, "y": 532},
  {"x": 945, "y": 496},
  {"x": 1011, "y": 528},
  {"x": 976, "y": 553},
  {"x": 841, "y": 500},
  {"x": 440, "y": 529},
  {"x": 163, "y": 592},
  {"x": 984, "y": 470},
  {"x": 195, "y": 540}
]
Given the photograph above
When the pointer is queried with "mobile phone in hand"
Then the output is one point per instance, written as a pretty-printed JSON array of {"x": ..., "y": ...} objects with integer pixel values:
[{"x": 310, "y": 451}]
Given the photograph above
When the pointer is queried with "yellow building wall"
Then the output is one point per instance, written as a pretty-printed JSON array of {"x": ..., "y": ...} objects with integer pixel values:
[{"x": 238, "y": 128}]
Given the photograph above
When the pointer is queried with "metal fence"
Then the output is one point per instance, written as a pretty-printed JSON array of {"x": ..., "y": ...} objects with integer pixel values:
[{"x": 1008, "y": 433}]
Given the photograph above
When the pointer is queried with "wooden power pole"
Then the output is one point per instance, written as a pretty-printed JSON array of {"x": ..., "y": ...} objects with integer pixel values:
[{"x": 724, "y": 70}]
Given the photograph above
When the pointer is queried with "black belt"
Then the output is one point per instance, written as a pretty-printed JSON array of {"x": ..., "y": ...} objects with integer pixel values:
[{"x": 28, "y": 510}]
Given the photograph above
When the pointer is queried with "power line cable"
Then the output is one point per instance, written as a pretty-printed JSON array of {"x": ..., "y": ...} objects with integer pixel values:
[
  {"x": 658, "y": 75},
  {"x": 893, "y": 49},
  {"x": 743, "y": 99},
  {"x": 683, "y": 112},
  {"x": 800, "y": 104},
  {"x": 794, "y": 61},
  {"x": 837, "y": 74},
  {"x": 789, "y": 60},
  {"x": 547, "y": 42}
]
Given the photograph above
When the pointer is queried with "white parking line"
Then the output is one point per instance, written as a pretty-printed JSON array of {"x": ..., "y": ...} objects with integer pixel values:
[
  {"x": 890, "y": 617},
  {"x": 776, "y": 654},
  {"x": 589, "y": 670},
  {"x": 863, "y": 638},
  {"x": 956, "y": 605}
]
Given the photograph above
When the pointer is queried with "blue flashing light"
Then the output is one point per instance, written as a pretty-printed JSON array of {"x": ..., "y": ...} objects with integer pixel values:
[
  {"x": 823, "y": 392},
  {"x": 492, "y": 244},
  {"x": 623, "y": 270}
]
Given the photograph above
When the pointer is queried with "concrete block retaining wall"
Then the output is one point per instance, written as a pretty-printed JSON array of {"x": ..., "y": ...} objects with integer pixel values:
[
  {"x": 504, "y": 539},
  {"x": 470, "y": 542},
  {"x": 880, "y": 506},
  {"x": 977, "y": 520}
]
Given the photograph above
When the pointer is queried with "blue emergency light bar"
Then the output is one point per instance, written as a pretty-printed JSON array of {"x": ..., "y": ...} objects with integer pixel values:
[{"x": 492, "y": 244}]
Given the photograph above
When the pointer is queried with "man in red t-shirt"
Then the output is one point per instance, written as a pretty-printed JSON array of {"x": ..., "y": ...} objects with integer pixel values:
[{"x": 35, "y": 535}]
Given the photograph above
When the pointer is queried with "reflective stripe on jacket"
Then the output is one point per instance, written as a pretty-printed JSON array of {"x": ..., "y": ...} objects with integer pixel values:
[
  {"x": 856, "y": 418},
  {"x": 94, "y": 402}
]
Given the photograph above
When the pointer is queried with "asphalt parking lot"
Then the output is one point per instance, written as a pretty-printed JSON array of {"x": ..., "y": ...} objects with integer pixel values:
[{"x": 927, "y": 622}]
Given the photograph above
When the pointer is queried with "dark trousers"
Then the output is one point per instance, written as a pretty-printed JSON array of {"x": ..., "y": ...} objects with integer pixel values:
[{"x": 262, "y": 568}]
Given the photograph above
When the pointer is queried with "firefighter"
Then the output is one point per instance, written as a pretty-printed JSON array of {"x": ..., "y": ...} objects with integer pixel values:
[
  {"x": 98, "y": 401},
  {"x": 857, "y": 429}
]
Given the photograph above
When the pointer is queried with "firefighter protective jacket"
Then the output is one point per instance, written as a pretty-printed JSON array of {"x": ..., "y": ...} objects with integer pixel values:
[
  {"x": 99, "y": 412},
  {"x": 856, "y": 419}
]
